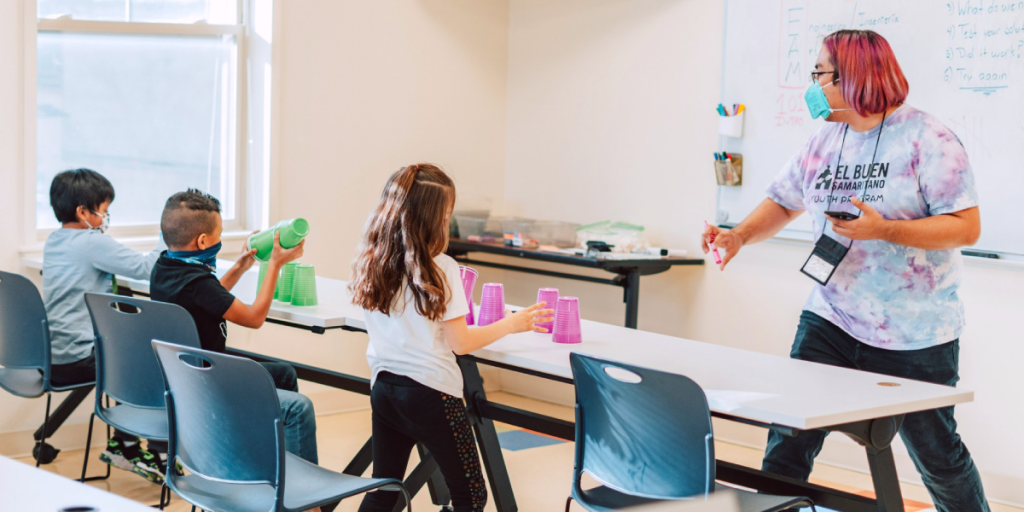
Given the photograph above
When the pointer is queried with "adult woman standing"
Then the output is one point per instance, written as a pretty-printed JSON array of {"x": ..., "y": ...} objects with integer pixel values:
[{"x": 892, "y": 199}]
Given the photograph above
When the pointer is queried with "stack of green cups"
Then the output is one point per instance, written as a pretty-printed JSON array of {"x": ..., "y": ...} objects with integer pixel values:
[
  {"x": 304, "y": 286},
  {"x": 263, "y": 274},
  {"x": 292, "y": 232},
  {"x": 284, "y": 283}
]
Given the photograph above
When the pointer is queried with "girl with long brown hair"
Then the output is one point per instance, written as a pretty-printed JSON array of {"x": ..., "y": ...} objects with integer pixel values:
[{"x": 415, "y": 313}]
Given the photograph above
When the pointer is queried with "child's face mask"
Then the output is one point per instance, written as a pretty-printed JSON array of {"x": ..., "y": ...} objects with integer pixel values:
[
  {"x": 207, "y": 257},
  {"x": 104, "y": 222}
]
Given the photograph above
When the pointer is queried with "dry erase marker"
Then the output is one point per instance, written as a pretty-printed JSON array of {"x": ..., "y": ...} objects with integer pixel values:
[{"x": 718, "y": 259}]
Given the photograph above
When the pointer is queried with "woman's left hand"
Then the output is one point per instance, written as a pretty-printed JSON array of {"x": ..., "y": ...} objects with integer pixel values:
[{"x": 869, "y": 226}]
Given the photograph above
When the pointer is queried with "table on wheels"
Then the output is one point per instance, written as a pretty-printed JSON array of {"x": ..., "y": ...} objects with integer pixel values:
[
  {"x": 769, "y": 391},
  {"x": 628, "y": 271}
]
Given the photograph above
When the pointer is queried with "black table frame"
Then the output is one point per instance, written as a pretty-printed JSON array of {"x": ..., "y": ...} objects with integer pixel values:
[
  {"x": 875, "y": 435},
  {"x": 628, "y": 271}
]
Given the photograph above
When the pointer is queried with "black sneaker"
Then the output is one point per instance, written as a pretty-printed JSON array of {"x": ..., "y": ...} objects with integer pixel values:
[
  {"x": 150, "y": 467},
  {"x": 121, "y": 456}
]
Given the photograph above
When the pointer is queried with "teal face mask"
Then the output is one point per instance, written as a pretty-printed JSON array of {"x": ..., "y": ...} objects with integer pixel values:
[{"x": 817, "y": 103}]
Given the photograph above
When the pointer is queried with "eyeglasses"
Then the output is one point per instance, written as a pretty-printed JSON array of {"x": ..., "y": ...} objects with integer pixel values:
[{"x": 816, "y": 74}]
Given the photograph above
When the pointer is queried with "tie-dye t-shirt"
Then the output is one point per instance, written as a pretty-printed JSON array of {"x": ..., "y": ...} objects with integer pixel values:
[{"x": 884, "y": 294}]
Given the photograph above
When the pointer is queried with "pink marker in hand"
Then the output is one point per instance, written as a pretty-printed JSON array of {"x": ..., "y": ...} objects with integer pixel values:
[{"x": 718, "y": 259}]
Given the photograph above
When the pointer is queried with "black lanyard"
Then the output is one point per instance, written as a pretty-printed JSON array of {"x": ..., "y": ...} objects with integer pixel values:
[{"x": 835, "y": 182}]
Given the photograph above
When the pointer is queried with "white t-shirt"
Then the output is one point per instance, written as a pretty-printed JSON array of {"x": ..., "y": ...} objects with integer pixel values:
[{"x": 407, "y": 343}]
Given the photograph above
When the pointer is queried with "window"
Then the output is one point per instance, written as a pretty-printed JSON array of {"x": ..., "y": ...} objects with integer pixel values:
[{"x": 147, "y": 93}]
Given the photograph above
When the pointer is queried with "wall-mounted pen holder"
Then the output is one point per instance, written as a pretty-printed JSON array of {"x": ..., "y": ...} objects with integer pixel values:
[
  {"x": 730, "y": 173},
  {"x": 731, "y": 126}
]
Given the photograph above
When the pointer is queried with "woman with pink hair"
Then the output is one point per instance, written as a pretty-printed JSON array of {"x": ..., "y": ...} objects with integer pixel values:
[{"x": 891, "y": 195}]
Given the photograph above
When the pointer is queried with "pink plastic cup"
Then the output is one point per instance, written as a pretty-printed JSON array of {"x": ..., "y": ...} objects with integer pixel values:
[
  {"x": 492, "y": 304},
  {"x": 567, "y": 321},
  {"x": 468, "y": 282},
  {"x": 549, "y": 295}
]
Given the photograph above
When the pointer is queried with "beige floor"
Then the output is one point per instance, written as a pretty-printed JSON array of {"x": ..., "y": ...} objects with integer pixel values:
[{"x": 540, "y": 476}]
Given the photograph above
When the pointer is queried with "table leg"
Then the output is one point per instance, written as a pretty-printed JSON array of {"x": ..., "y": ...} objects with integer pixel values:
[
  {"x": 632, "y": 292},
  {"x": 487, "y": 439},
  {"x": 876, "y": 437},
  {"x": 361, "y": 462},
  {"x": 883, "y": 475}
]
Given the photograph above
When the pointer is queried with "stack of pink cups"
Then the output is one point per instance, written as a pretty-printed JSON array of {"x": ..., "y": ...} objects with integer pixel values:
[
  {"x": 492, "y": 304},
  {"x": 468, "y": 282},
  {"x": 550, "y": 296},
  {"x": 567, "y": 321}
]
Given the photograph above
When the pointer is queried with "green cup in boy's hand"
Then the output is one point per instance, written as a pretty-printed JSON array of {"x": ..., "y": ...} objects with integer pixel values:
[{"x": 279, "y": 256}]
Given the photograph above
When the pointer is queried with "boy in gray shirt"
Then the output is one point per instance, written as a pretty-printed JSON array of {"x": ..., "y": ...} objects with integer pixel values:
[{"x": 80, "y": 257}]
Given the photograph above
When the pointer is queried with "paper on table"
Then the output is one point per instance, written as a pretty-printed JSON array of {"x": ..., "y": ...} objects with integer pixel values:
[{"x": 729, "y": 400}]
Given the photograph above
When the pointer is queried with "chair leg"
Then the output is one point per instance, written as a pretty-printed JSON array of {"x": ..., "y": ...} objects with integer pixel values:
[
  {"x": 568, "y": 502},
  {"x": 88, "y": 443},
  {"x": 164, "y": 491},
  {"x": 408, "y": 499},
  {"x": 46, "y": 424}
]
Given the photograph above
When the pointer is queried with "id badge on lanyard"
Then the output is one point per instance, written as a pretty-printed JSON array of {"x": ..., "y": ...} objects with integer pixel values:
[
  {"x": 828, "y": 253},
  {"x": 826, "y": 256}
]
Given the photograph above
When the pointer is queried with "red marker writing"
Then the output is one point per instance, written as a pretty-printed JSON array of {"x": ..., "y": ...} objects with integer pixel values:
[{"x": 718, "y": 259}]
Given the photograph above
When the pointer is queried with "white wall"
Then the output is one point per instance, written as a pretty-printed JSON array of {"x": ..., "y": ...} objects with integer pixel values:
[
  {"x": 611, "y": 115},
  {"x": 366, "y": 88}
]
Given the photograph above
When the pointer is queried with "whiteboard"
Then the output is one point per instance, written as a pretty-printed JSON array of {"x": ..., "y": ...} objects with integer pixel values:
[{"x": 964, "y": 60}]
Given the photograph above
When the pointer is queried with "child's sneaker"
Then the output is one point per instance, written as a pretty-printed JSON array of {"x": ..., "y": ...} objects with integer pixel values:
[
  {"x": 150, "y": 467},
  {"x": 120, "y": 455}
]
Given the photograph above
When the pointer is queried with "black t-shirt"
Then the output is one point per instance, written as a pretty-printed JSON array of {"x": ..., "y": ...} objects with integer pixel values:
[{"x": 198, "y": 290}]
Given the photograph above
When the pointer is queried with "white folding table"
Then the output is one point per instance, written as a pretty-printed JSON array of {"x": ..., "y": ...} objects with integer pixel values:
[
  {"x": 25, "y": 487},
  {"x": 774, "y": 392}
]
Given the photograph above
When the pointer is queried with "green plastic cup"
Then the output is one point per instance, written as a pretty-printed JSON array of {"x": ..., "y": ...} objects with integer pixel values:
[
  {"x": 284, "y": 283},
  {"x": 292, "y": 232},
  {"x": 304, "y": 286},
  {"x": 263, "y": 274}
]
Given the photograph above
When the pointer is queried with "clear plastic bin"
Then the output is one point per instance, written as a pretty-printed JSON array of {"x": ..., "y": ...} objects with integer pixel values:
[
  {"x": 553, "y": 232},
  {"x": 470, "y": 225}
]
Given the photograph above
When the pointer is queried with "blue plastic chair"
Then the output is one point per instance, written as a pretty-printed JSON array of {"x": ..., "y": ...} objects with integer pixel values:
[
  {"x": 646, "y": 436},
  {"x": 25, "y": 347},
  {"x": 126, "y": 368},
  {"x": 226, "y": 431}
]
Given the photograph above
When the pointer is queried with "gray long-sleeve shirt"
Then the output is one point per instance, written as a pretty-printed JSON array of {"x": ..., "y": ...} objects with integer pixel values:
[{"x": 76, "y": 261}]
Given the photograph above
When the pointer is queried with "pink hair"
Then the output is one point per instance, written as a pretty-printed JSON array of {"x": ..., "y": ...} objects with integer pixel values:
[{"x": 870, "y": 79}]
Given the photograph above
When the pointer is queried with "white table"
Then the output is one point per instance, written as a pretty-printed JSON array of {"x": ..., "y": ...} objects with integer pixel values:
[
  {"x": 24, "y": 487},
  {"x": 772, "y": 391}
]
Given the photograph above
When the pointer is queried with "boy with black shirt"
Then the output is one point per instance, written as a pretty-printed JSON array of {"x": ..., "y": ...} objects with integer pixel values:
[{"x": 184, "y": 275}]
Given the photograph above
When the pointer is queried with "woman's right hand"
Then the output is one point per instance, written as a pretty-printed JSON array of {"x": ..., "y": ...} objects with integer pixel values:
[
  {"x": 527, "y": 319},
  {"x": 722, "y": 239}
]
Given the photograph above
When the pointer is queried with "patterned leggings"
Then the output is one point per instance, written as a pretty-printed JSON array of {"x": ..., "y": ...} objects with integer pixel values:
[{"x": 406, "y": 412}]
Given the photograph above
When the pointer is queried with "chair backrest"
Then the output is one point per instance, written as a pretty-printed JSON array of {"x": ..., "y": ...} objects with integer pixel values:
[
  {"x": 224, "y": 417},
  {"x": 126, "y": 368},
  {"x": 640, "y": 431},
  {"x": 24, "y": 333}
]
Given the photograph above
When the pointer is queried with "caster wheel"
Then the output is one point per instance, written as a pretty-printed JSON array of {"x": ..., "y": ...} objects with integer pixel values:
[
  {"x": 44, "y": 453},
  {"x": 447, "y": 508}
]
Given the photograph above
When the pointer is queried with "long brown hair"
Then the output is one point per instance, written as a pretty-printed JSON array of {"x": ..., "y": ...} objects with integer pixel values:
[{"x": 406, "y": 231}]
